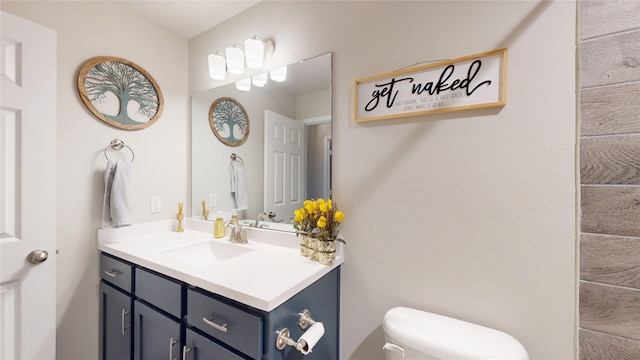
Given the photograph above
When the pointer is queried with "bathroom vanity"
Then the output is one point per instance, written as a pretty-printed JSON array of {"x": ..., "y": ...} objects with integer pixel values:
[{"x": 189, "y": 296}]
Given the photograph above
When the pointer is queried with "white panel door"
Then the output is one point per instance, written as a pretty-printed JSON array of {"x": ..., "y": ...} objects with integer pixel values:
[
  {"x": 27, "y": 190},
  {"x": 284, "y": 165}
]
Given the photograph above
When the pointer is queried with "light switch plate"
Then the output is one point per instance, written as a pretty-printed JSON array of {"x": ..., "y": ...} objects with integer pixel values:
[
  {"x": 156, "y": 204},
  {"x": 212, "y": 200}
]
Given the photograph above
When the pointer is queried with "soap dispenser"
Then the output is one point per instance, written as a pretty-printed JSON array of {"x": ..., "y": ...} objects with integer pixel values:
[
  {"x": 218, "y": 226},
  {"x": 234, "y": 214}
]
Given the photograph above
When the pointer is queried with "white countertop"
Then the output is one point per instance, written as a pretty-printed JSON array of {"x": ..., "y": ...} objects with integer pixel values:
[{"x": 268, "y": 271}]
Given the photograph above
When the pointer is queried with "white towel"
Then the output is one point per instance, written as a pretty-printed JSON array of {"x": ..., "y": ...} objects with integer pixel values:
[
  {"x": 117, "y": 194},
  {"x": 239, "y": 187}
]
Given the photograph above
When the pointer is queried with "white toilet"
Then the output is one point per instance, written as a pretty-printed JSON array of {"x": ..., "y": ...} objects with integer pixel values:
[{"x": 414, "y": 334}]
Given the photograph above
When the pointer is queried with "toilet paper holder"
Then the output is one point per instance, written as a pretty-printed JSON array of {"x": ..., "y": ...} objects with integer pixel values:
[
  {"x": 307, "y": 340},
  {"x": 305, "y": 319}
]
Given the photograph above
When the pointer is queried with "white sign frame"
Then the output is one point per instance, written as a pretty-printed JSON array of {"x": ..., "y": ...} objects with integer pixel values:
[{"x": 471, "y": 82}]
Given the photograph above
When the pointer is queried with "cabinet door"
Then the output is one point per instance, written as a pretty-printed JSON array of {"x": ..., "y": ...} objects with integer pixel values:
[
  {"x": 115, "y": 327},
  {"x": 198, "y": 347},
  {"x": 156, "y": 336}
]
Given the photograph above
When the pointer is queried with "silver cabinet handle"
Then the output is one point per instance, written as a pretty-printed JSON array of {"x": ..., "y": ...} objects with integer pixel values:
[
  {"x": 124, "y": 313},
  {"x": 112, "y": 273},
  {"x": 185, "y": 350},
  {"x": 209, "y": 321},
  {"x": 172, "y": 342}
]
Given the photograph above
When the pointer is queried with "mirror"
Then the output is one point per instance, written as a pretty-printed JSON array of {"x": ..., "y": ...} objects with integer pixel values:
[{"x": 296, "y": 111}]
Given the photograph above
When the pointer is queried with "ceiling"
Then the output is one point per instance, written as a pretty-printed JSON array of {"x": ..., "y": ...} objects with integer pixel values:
[{"x": 188, "y": 18}]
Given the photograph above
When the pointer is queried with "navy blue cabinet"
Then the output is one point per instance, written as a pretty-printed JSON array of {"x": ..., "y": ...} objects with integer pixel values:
[
  {"x": 171, "y": 319},
  {"x": 115, "y": 325},
  {"x": 253, "y": 333},
  {"x": 322, "y": 299},
  {"x": 156, "y": 335},
  {"x": 116, "y": 305},
  {"x": 199, "y": 347}
]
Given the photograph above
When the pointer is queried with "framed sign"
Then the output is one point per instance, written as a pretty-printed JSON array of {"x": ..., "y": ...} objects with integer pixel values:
[
  {"x": 471, "y": 82},
  {"x": 119, "y": 92},
  {"x": 229, "y": 121}
]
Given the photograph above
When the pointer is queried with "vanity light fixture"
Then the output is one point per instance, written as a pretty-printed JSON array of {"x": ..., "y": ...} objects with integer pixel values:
[
  {"x": 235, "y": 59},
  {"x": 259, "y": 80},
  {"x": 256, "y": 49},
  {"x": 244, "y": 84},
  {"x": 279, "y": 74},
  {"x": 217, "y": 66}
]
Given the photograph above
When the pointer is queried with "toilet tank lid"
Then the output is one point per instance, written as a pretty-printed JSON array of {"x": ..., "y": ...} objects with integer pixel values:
[{"x": 448, "y": 338}]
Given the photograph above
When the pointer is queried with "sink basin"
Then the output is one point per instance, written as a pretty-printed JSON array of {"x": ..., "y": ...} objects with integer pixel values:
[{"x": 206, "y": 253}]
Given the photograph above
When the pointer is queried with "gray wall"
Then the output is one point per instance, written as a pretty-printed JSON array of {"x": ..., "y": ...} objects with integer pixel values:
[{"x": 610, "y": 180}]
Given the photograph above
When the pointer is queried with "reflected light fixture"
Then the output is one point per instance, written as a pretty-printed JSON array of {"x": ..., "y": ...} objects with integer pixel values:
[
  {"x": 259, "y": 80},
  {"x": 244, "y": 84},
  {"x": 235, "y": 59},
  {"x": 279, "y": 74},
  {"x": 256, "y": 49},
  {"x": 217, "y": 66}
]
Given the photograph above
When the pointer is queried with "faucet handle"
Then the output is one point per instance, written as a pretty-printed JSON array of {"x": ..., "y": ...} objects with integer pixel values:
[{"x": 243, "y": 235}]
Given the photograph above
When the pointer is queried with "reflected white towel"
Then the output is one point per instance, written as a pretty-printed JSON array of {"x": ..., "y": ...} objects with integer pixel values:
[
  {"x": 117, "y": 194},
  {"x": 239, "y": 187}
]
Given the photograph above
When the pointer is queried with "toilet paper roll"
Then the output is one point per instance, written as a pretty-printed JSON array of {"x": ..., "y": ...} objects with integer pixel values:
[{"x": 311, "y": 337}]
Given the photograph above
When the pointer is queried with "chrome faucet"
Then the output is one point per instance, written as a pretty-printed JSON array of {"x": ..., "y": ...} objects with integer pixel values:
[
  {"x": 264, "y": 216},
  {"x": 238, "y": 234}
]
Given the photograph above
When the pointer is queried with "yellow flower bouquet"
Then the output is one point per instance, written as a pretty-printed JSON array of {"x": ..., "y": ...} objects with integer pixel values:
[{"x": 318, "y": 221}]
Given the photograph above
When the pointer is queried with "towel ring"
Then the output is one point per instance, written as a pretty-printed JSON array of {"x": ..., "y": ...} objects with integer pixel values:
[
  {"x": 117, "y": 144},
  {"x": 235, "y": 157}
]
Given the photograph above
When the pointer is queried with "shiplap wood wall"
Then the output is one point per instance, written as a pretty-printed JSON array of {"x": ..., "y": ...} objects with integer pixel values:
[{"x": 610, "y": 180}]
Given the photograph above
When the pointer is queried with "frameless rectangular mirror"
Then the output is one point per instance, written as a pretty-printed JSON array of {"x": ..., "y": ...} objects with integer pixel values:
[{"x": 286, "y": 156}]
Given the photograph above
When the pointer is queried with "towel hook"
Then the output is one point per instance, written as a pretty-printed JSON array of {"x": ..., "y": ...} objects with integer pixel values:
[{"x": 117, "y": 144}]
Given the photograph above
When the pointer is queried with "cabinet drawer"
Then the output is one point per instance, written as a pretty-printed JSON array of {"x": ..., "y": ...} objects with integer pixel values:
[
  {"x": 159, "y": 291},
  {"x": 117, "y": 272},
  {"x": 231, "y": 325}
]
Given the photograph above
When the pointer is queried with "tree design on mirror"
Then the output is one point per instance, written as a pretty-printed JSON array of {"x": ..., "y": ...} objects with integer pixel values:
[
  {"x": 229, "y": 121},
  {"x": 120, "y": 93}
]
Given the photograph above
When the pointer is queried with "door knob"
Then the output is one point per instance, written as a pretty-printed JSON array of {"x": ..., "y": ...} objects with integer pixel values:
[{"x": 37, "y": 256}]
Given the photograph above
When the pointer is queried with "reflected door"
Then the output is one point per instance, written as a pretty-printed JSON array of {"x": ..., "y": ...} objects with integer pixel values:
[
  {"x": 284, "y": 172},
  {"x": 27, "y": 190}
]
